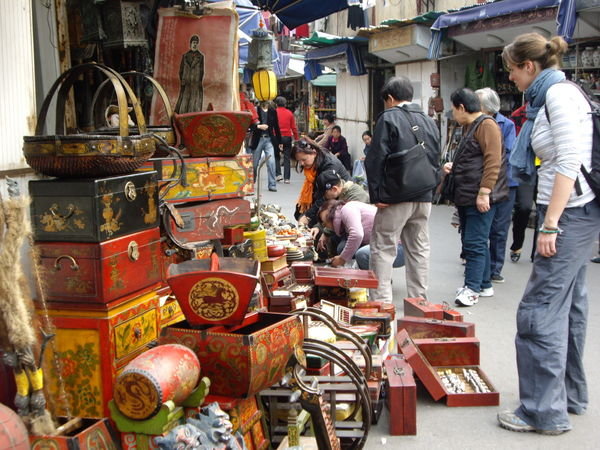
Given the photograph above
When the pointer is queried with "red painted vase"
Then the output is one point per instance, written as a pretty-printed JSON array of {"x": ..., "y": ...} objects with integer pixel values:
[
  {"x": 13, "y": 434},
  {"x": 213, "y": 133},
  {"x": 166, "y": 372}
]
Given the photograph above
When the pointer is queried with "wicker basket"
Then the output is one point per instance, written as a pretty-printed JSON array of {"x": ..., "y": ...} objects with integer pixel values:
[
  {"x": 166, "y": 132},
  {"x": 88, "y": 155}
]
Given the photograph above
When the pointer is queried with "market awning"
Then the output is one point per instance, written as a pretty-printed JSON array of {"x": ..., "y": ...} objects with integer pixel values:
[
  {"x": 496, "y": 24},
  {"x": 298, "y": 12},
  {"x": 345, "y": 55},
  {"x": 325, "y": 80},
  {"x": 320, "y": 39}
]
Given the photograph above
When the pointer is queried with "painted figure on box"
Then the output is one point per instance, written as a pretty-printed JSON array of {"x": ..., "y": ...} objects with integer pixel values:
[{"x": 191, "y": 75}]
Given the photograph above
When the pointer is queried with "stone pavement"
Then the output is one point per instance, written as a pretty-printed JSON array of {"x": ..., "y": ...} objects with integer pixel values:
[{"x": 442, "y": 427}]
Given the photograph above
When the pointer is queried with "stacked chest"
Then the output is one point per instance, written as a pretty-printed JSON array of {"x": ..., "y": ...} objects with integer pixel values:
[{"x": 90, "y": 349}]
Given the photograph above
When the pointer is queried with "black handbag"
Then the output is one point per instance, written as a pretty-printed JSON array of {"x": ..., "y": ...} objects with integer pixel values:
[
  {"x": 408, "y": 173},
  {"x": 448, "y": 188}
]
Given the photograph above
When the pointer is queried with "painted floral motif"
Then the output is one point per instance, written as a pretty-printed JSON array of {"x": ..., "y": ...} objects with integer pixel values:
[
  {"x": 53, "y": 222},
  {"x": 150, "y": 216},
  {"x": 111, "y": 219},
  {"x": 78, "y": 286},
  {"x": 77, "y": 367},
  {"x": 135, "y": 333},
  {"x": 117, "y": 282}
]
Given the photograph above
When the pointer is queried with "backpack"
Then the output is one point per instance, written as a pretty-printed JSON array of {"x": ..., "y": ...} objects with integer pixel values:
[{"x": 592, "y": 177}]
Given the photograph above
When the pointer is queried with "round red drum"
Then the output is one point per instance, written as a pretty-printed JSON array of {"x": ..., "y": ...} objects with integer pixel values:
[{"x": 166, "y": 372}]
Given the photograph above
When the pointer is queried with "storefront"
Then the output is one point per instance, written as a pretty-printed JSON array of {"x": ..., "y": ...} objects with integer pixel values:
[{"x": 468, "y": 45}]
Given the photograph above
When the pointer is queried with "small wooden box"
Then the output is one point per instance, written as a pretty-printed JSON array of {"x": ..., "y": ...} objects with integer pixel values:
[
  {"x": 94, "y": 209},
  {"x": 419, "y": 307},
  {"x": 431, "y": 378},
  {"x": 93, "y": 433},
  {"x": 421, "y": 328},
  {"x": 273, "y": 264},
  {"x": 232, "y": 235},
  {"x": 401, "y": 397},
  {"x": 345, "y": 278}
]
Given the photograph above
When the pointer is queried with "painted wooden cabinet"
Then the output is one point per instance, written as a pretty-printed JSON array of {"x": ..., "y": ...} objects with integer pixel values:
[
  {"x": 91, "y": 348},
  {"x": 206, "y": 178}
]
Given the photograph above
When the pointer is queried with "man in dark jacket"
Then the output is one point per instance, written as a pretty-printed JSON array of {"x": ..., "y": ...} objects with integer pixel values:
[
  {"x": 404, "y": 220},
  {"x": 266, "y": 137}
]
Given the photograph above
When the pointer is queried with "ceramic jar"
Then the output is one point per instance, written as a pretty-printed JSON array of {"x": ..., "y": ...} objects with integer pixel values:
[
  {"x": 573, "y": 60},
  {"x": 587, "y": 57},
  {"x": 596, "y": 57}
]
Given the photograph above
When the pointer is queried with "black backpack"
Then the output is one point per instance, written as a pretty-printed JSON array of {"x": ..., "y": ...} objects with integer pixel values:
[{"x": 593, "y": 176}]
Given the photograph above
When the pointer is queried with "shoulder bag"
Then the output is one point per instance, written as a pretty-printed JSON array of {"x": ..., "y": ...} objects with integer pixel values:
[{"x": 408, "y": 173}]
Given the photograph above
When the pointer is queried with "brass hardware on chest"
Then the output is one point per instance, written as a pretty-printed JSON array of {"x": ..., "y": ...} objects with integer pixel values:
[
  {"x": 133, "y": 251},
  {"x": 74, "y": 265},
  {"x": 70, "y": 211},
  {"x": 130, "y": 192}
]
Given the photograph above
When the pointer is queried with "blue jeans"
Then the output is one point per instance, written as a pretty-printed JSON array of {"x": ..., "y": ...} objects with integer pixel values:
[
  {"x": 264, "y": 144},
  {"x": 476, "y": 233},
  {"x": 499, "y": 232},
  {"x": 363, "y": 255}
]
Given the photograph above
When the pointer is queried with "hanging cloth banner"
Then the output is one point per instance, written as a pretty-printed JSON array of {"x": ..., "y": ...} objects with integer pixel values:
[{"x": 196, "y": 60}]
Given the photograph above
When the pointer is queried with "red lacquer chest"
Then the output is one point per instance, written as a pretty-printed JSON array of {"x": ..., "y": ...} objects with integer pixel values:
[
  {"x": 458, "y": 351},
  {"x": 193, "y": 222},
  {"x": 461, "y": 385},
  {"x": 401, "y": 397},
  {"x": 101, "y": 272}
]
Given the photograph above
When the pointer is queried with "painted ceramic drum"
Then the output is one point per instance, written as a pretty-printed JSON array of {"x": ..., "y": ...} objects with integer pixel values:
[{"x": 167, "y": 372}]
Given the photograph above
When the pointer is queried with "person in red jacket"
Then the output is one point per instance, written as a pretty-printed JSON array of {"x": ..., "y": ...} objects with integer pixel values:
[{"x": 287, "y": 126}]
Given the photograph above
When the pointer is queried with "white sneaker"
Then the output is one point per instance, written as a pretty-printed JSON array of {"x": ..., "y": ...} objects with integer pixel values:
[
  {"x": 487, "y": 292},
  {"x": 466, "y": 297}
]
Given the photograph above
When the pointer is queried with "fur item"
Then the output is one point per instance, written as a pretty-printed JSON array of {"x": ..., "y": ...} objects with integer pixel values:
[
  {"x": 42, "y": 425},
  {"x": 16, "y": 316}
]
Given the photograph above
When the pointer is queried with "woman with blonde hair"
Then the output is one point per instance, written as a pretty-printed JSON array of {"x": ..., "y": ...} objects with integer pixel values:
[{"x": 552, "y": 315}]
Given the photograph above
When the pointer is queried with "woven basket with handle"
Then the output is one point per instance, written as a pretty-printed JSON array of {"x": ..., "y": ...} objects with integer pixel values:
[{"x": 89, "y": 155}]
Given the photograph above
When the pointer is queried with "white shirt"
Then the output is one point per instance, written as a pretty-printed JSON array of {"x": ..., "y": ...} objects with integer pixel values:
[{"x": 565, "y": 143}]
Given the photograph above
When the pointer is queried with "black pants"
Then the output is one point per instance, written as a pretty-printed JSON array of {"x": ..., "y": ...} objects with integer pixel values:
[
  {"x": 520, "y": 219},
  {"x": 287, "y": 151}
]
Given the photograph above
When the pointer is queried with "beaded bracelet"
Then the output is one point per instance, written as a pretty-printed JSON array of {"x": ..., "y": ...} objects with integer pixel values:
[{"x": 543, "y": 229}]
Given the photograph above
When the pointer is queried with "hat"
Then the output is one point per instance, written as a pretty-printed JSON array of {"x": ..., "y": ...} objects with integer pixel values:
[{"x": 328, "y": 179}]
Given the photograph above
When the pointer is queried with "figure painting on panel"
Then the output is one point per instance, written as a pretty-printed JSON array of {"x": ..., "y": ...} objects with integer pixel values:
[{"x": 191, "y": 75}]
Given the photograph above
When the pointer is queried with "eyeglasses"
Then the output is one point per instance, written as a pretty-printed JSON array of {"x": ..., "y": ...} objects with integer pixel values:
[{"x": 302, "y": 144}]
